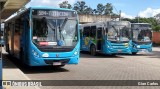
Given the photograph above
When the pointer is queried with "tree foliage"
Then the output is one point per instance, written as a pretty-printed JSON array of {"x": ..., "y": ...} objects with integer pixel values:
[
  {"x": 82, "y": 8},
  {"x": 65, "y": 4},
  {"x": 100, "y": 9},
  {"x": 108, "y": 9}
]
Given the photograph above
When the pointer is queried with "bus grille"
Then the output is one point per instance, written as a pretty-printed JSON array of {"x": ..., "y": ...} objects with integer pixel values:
[
  {"x": 55, "y": 49},
  {"x": 63, "y": 61},
  {"x": 142, "y": 43}
]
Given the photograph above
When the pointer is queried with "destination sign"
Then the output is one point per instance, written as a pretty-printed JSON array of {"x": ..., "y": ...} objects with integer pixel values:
[
  {"x": 54, "y": 13},
  {"x": 141, "y": 25}
]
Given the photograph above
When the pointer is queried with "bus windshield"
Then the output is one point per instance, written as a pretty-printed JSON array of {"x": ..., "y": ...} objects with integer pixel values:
[
  {"x": 142, "y": 33},
  {"x": 54, "y": 32},
  {"x": 118, "y": 33}
]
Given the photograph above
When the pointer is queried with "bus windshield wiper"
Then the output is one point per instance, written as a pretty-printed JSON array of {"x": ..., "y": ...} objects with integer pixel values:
[
  {"x": 63, "y": 24},
  {"x": 115, "y": 29}
]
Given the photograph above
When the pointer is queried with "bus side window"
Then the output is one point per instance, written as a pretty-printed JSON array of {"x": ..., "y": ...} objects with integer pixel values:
[
  {"x": 99, "y": 33},
  {"x": 93, "y": 31},
  {"x": 81, "y": 33},
  {"x": 86, "y": 31}
]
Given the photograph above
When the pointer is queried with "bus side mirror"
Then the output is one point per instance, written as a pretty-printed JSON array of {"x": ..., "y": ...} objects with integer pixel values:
[{"x": 106, "y": 30}]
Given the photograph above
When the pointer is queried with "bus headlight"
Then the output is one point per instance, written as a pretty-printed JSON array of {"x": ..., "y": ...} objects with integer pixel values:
[
  {"x": 109, "y": 46},
  {"x": 138, "y": 46},
  {"x": 45, "y": 55},
  {"x": 76, "y": 52},
  {"x": 126, "y": 44},
  {"x": 35, "y": 53}
]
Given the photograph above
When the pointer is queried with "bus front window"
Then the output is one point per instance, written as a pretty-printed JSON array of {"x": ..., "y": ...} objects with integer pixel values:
[
  {"x": 120, "y": 33},
  {"x": 144, "y": 35},
  {"x": 54, "y": 32},
  {"x": 142, "y": 32}
]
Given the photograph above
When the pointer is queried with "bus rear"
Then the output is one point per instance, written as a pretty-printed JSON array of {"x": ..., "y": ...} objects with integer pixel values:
[
  {"x": 118, "y": 37},
  {"x": 141, "y": 37}
]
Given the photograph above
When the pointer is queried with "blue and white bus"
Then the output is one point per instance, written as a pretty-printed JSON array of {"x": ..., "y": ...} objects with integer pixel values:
[
  {"x": 111, "y": 37},
  {"x": 41, "y": 36},
  {"x": 141, "y": 37}
]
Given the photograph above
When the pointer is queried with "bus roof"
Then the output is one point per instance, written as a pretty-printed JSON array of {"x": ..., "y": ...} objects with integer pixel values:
[
  {"x": 99, "y": 23},
  {"x": 48, "y": 7},
  {"x": 35, "y": 7}
]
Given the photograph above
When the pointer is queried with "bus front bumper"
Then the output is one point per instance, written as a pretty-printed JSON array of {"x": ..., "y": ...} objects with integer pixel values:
[
  {"x": 54, "y": 61},
  {"x": 148, "y": 49},
  {"x": 118, "y": 51}
]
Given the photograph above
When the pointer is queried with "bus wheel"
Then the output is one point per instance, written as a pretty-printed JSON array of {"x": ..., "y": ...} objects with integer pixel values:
[
  {"x": 93, "y": 50},
  {"x": 113, "y": 54},
  {"x": 134, "y": 53}
]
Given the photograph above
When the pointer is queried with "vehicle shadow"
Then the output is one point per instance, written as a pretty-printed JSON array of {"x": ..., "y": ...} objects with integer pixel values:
[
  {"x": 6, "y": 63},
  {"x": 155, "y": 54},
  {"x": 85, "y": 54},
  {"x": 138, "y": 54},
  {"x": 11, "y": 62}
]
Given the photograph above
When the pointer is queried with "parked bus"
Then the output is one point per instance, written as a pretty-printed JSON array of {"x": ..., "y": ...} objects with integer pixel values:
[
  {"x": 41, "y": 36},
  {"x": 1, "y": 35},
  {"x": 110, "y": 37},
  {"x": 141, "y": 37}
]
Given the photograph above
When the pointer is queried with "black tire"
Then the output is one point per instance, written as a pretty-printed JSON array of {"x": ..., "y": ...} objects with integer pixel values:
[
  {"x": 113, "y": 54},
  {"x": 134, "y": 53},
  {"x": 93, "y": 50}
]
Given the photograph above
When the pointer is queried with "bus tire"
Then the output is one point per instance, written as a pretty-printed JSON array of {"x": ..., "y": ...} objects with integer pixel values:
[
  {"x": 93, "y": 50},
  {"x": 7, "y": 48},
  {"x": 134, "y": 53},
  {"x": 113, "y": 54}
]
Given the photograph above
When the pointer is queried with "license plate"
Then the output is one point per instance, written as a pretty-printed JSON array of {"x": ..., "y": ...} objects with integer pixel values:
[
  {"x": 57, "y": 63},
  {"x": 119, "y": 50},
  {"x": 144, "y": 50}
]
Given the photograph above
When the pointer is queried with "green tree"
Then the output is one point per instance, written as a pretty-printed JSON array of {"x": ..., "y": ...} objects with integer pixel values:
[
  {"x": 88, "y": 10},
  {"x": 100, "y": 9},
  {"x": 95, "y": 11},
  {"x": 80, "y": 7},
  {"x": 65, "y": 4},
  {"x": 151, "y": 20},
  {"x": 156, "y": 28},
  {"x": 108, "y": 9}
]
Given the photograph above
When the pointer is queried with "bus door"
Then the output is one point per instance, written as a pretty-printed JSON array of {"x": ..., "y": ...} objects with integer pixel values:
[
  {"x": 99, "y": 38},
  {"x": 11, "y": 38},
  {"x": 81, "y": 37},
  {"x": 85, "y": 38}
]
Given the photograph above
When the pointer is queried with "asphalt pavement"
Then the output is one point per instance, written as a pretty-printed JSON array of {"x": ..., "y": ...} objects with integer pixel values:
[{"x": 101, "y": 67}]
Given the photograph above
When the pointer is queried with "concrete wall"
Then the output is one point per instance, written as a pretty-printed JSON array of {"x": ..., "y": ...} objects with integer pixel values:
[
  {"x": 95, "y": 18},
  {"x": 156, "y": 37}
]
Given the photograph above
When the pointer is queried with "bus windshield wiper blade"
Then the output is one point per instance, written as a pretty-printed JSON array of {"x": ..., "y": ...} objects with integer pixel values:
[
  {"x": 63, "y": 24},
  {"x": 115, "y": 29}
]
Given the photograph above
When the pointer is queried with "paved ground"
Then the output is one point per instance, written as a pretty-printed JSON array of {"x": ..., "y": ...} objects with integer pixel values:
[{"x": 101, "y": 67}]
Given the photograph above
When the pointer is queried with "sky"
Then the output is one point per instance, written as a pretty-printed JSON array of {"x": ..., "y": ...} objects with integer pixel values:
[{"x": 129, "y": 8}]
